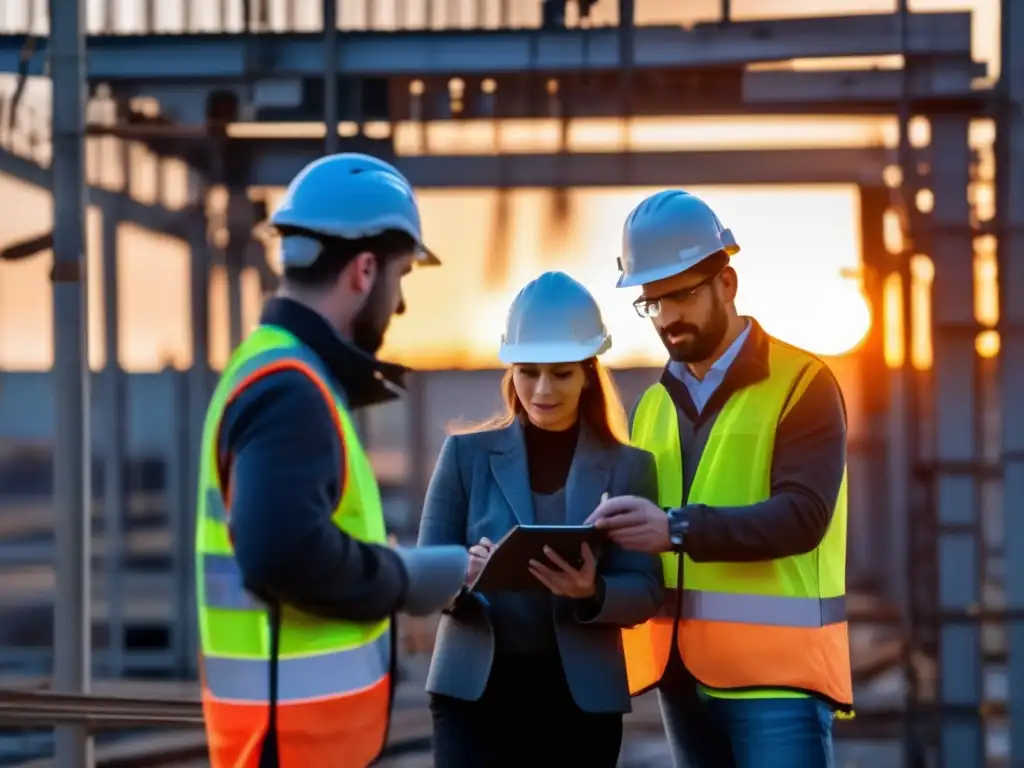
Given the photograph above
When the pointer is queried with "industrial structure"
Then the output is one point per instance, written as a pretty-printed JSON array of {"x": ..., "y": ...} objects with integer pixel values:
[{"x": 930, "y": 497}]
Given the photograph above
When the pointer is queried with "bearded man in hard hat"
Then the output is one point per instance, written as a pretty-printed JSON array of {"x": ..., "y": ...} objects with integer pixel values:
[
  {"x": 296, "y": 584},
  {"x": 751, "y": 654}
]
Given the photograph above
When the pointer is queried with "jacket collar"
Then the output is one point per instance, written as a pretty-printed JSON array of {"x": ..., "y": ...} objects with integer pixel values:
[
  {"x": 589, "y": 475},
  {"x": 750, "y": 367},
  {"x": 364, "y": 379}
]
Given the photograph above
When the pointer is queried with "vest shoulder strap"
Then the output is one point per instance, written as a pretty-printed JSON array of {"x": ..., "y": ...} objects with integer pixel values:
[
  {"x": 274, "y": 350},
  {"x": 651, "y": 401},
  {"x": 798, "y": 366}
]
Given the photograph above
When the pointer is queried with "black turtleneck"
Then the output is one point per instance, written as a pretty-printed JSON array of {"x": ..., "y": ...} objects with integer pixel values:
[{"x": 549, "y": 456}]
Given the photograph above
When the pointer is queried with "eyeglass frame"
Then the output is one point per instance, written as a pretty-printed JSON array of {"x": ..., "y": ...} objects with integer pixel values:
[{"x": 643, "y": 307}]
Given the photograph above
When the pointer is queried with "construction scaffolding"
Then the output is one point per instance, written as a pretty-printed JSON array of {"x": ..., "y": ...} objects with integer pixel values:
[{"x": 938, "y": 544}]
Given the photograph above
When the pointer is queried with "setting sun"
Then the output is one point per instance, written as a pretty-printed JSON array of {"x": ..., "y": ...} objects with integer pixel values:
[{"x": 799, "y": 243}]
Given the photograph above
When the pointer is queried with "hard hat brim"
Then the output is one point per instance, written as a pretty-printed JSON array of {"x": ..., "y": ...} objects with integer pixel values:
[
  {"x": 427, "y": 258},
  {"x": 655, "y": 274},
  {"x": 540, "y": 353}
]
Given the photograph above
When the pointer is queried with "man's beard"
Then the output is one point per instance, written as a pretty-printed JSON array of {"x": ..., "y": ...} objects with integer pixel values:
[
  {"x": 371, "y": 322},
  {"x": 703, "y": 341}
]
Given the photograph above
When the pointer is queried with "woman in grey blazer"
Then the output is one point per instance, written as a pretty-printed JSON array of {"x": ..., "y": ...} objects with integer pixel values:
[{"x": 521, "y": 679}]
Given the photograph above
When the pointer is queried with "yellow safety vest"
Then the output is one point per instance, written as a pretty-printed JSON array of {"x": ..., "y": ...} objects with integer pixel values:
[
  {"x": 333, "y": 677},
  {"x": 746, "y": 629}
]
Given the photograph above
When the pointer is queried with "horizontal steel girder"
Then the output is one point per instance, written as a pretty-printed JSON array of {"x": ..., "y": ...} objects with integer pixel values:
[
  {"x": 944, "y": 80},
  {"x": 226, "y": 58},
  {"x": 276, "y": 162},
  {"x": 153, "y": 217}
]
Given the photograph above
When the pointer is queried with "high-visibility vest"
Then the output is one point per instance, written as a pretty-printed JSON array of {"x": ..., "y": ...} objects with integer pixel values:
[
  {"x": 333, "y": 683},
  {"x": 778, "y": 624}
]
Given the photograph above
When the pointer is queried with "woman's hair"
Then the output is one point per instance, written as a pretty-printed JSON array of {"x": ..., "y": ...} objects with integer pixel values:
[{"x": 600, "y": 406}]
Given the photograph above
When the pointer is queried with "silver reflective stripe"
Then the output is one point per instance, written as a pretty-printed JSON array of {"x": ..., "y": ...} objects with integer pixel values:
[
  {"x": 300, "y": 678},
  {"x": 768, "y": 610},
  {"x": 215, "y": 506},
  {"x": 224, "y": 586}
]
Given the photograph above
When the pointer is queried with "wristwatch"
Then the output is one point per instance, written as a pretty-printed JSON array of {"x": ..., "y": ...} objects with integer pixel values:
[{"x": 678, "y": 525}]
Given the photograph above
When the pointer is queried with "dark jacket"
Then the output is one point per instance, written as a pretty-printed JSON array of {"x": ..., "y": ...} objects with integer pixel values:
[
  {"x": 806, "y": 473},
  {"x": 481, "y": 488},
  {"x": 286, "y": 478}
]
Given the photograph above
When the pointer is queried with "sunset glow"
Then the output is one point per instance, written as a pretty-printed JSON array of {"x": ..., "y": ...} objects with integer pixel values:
[
  {"x": 797, "y": 244},
  {"x": 801, "y": 245}
]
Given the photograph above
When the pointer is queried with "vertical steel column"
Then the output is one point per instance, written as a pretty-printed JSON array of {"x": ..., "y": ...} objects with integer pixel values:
[
  {"x": 956, "y": 451},
  {"x": 880, "y": 562},
  {"x": 72, "y": 454},
  {"x": 239, "y": 224},
  {"x": 910, "y": 495},
  {"x": 1010, "y": 210},
  {"x": 552, "y": 14},
  {"x": 417, "y": 472},
  {"x": 114, "y": 407},
  {"x": 179, "y": 501},
  {"x": 330, "y": 77},
  {"x": 199, "y": 389}
]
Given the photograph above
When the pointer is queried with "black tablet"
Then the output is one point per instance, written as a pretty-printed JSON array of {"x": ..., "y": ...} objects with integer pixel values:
[{"x": 507, "y": 570}]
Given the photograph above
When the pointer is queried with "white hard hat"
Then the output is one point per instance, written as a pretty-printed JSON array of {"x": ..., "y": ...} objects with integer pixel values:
[
  {"x": 351, "y": 196},
  {"x": 554, "y": 319},
  {"x": 668, "y": 233}
]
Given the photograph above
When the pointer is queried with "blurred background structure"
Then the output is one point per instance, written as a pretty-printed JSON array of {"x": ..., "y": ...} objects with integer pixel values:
[{"x": 869, "y": 156}]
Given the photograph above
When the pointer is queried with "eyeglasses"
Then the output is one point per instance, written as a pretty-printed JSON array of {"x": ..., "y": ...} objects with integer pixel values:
[{"x": 651, "y": 308}]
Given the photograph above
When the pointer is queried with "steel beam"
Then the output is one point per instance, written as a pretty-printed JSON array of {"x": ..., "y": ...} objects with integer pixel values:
[
  {"x": 72, "y": 494},
  {"x": 651, "y": 93},
  {"x": 1010, "y": 170},
  {"x": 153, "y": 217},
  {"x": 221, "y": 57},
  {"x": 331, "y": 119},
  {"x": 199, "y": 387},
  {"x": 879, "y": 560},
  {"x": 274, "y": 162},
  {"x": 955, "y": 459},
  {"x": 944, "y": 78},
  {"x": 115, "y": 389}
]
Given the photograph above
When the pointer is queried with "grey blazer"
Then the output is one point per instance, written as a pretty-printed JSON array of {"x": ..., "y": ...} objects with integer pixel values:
[{"x": 481, "y": 488}]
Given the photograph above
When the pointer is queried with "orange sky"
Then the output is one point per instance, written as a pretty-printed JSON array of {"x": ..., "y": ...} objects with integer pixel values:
[
  {"x": 798, "y": 242},
  {"x": 785, "y": 277}
]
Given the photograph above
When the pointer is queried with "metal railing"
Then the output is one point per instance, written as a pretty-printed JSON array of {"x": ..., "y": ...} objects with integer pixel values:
[
  {"x": 141, "y": 17},
  {"x": 47, "y": 708}
]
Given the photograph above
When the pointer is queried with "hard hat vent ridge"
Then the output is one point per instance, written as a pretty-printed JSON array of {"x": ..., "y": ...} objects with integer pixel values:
[
  {"x": 351, "y": 196},
  {"x": 553, "y": 319}
]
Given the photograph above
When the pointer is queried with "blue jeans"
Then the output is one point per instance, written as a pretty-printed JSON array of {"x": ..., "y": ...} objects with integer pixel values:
[{"x": 708, "y": 732}]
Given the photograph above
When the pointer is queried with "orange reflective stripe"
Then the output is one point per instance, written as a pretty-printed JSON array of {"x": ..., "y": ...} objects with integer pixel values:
[
  {"x": 732, "y": 618},
  {"x": 727, "y": 655},
  {"x": 342, "y": 732},
  {"x": 300, "y": 678},
  {"x": 647, "y": 648}
]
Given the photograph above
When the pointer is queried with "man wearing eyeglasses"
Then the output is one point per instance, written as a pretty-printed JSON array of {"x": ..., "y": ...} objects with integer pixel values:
[{"x": 750, "y": 654}]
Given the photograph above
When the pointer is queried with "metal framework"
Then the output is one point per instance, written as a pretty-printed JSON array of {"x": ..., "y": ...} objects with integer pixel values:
[
  {"x": 274, "y": 162},
  {"x": 205, "y": 82},
  {"x": 1010, "y": 212},
  {"x": 220, "y": 58}
]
